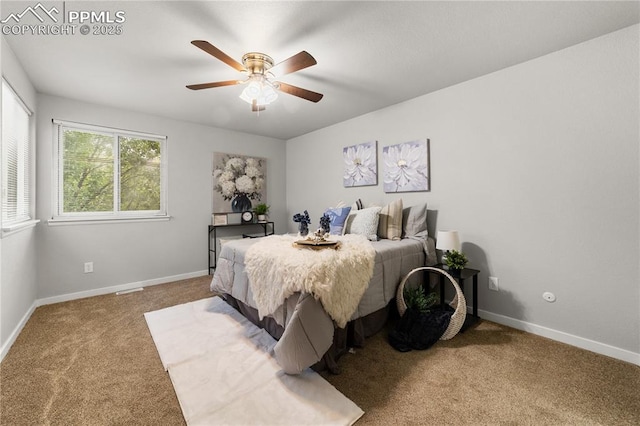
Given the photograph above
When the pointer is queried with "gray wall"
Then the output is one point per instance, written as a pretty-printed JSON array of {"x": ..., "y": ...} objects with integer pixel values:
[
  {"x": 131, "y": 252},
  {"x": 18, "y": 285},
  {"x": 536, "y": 166}
]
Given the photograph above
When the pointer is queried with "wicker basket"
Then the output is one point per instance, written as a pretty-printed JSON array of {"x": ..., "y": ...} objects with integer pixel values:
[{"x": 460, "y": 313}]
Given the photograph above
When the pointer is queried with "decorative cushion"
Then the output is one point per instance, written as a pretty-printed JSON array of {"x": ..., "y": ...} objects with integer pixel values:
[
  {"x": 414, "y": 221},
  {"x": 357, "y": 205},
  {"x": 364, "y": 222},
  {"x": 338, "y": 218},
  {"x": 390, "y": 223}
]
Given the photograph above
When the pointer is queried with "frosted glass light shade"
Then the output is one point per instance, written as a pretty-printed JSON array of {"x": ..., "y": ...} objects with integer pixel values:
[
  {"x": 262, "y": 92},
  {"x": 448, "y": 240},
  {"x": 251, "y": 92}
]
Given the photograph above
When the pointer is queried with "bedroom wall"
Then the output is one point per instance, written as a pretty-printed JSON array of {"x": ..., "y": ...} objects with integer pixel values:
[
  {"x": 536, "y": 165},
  {"x": 142, "y": 252},
  {"x": 18, "y": 286}
]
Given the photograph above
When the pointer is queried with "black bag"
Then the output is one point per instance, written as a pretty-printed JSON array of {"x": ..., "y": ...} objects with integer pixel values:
[{"x": 419, "y": 330}]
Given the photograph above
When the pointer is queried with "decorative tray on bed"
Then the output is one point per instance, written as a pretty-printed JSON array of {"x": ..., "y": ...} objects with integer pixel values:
[{"x": 316, "y": 242}]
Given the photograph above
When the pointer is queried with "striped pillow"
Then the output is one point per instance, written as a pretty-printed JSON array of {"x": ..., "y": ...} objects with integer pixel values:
[{"x": 390, "y": 223}]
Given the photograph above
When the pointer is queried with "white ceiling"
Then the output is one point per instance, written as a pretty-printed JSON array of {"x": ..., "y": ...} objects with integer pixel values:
[{"x": 370, "y": 54}]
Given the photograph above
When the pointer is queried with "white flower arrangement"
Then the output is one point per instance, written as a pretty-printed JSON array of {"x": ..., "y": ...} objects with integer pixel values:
[{"x": 239, "y": 176}]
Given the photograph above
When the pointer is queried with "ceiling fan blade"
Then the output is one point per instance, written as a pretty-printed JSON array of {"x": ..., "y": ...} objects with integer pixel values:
[
  {"x": 214, "y": 84},
  {"x": 295, "y": 63},
  {"x": 219, "y": 54},
  {"x": 299, "y": 92},
  {"x": 255, "y": 107}
]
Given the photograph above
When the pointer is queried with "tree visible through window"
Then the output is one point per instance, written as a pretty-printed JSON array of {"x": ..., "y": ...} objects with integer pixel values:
[
  {"x": 88, "y": 172},
  {"x": 104, "y": 172},
  {"x": 139, "y": 174}
]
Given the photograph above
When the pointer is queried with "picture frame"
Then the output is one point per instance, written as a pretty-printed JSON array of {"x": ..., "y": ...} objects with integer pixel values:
[
  {"x": 239, "y": 182},
  {"x": 219, "y": 219},
  {"x": 234, "y": 218},
  {"x": 360, "y": 164},
  {"x": 406, "y": 167}
]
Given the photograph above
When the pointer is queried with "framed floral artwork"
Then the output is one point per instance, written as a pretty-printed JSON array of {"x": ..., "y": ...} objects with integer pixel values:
[
  {"x": 406, "y": 167},
  {"x": 360, "y": 164},
  {"x": 238, "y": 181}
]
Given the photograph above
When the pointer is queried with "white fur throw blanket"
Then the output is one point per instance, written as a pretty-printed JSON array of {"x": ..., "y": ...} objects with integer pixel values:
[{"x": 338, "y": 278}]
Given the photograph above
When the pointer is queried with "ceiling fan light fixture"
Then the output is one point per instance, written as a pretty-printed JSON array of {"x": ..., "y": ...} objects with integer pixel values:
[
  {"x": 269, "y": 94},
  {"x": 259, "y": 90}
]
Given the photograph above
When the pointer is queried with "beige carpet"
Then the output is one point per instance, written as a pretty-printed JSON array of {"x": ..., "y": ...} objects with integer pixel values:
[{"x": 93, "y": 362}]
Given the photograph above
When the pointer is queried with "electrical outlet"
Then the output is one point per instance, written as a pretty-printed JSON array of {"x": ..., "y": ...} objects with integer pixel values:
[
  {"x": 88, "y": 267},
  {"x": 493, "y": 284}
]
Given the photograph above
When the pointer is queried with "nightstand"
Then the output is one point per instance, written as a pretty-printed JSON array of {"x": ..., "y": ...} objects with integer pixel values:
[{"x": 460, "y": 276}]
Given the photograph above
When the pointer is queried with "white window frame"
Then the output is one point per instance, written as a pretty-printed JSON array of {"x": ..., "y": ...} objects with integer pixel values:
[
  {"x": 114, "y": 216},
  {"x": 26, "y": 174}
]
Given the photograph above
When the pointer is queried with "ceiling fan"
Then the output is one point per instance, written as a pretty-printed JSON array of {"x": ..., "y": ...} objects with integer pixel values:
[{"x": 260, "y": 90}]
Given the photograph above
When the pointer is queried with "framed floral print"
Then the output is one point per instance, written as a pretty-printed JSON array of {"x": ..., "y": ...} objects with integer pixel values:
[
  {"x": 360, "y": 164},
  {"x": 238, "y": 181},
  {"x": 406, "y": 167}
]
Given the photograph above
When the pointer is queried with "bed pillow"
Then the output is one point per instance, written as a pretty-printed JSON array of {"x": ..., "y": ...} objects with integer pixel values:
[
  {"x": 338, "y": 217},
  {"x": 357, "y": 205},
  {"x": 364, "y": 222},
  {"x": 414, "y": 221},
  {"x": 390, "y": 222}
]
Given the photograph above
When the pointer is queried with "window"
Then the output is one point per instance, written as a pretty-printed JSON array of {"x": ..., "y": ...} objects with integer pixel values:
[
  {"x": 105, "y": 174},
  {"x": 16, "y": 160}
]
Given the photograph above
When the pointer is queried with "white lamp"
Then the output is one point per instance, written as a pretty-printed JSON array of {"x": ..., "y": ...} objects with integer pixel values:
[{"x": 446, "y": 241}]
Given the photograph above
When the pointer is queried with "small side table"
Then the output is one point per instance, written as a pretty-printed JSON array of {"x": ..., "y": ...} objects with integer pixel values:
[{"x": 460, "y": 276}]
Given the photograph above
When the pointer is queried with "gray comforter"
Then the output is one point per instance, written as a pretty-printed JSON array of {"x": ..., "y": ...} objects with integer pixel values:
[{"x": 308, "y": 330}]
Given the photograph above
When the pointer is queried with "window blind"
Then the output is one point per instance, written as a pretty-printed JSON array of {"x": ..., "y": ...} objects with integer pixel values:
[{"x": 16, "y": 158}]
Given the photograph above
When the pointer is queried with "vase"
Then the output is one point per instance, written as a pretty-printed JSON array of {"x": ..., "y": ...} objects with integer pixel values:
[
  {"x": 262, "y": 218},
  {"x": 240, "y": 203},
  {"x": 303, "y": 229}
]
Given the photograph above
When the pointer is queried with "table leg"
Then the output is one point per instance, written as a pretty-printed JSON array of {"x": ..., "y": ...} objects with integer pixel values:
[
  {"x": 475, "y": 295},
  {"x": 215, "y": 249}
]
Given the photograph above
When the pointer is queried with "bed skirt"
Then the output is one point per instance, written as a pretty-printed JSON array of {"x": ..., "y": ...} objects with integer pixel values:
[{"x": 352, "y": 335}]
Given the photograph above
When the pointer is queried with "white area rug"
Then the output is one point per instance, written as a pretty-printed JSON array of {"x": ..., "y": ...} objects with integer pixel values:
[{"x": 224, "y": 373}]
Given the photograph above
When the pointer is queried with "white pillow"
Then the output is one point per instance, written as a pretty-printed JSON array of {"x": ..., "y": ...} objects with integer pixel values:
[{"x": 364, "y": 222}]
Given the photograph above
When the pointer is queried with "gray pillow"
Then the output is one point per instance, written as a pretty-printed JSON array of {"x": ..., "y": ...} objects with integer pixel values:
[{"x": 414, "y": 221}]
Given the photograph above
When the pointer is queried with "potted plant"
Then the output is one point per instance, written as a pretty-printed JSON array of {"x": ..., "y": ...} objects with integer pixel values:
[
  {"x": 455, "y": 260},
  {"x": 261, "y": 210},
  {"x": 416, "y": 299}
]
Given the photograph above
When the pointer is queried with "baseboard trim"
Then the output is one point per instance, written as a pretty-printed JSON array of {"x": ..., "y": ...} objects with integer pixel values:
[
  {"x": 560, "y": 336},
  {"x": 16, "y": 331},
  {"x": 89, "y": 293},
  {"x": 116, "y": 288}
]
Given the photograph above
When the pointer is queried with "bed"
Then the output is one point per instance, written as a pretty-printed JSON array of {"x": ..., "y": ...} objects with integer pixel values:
[{"x": 307, "y": 335}]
